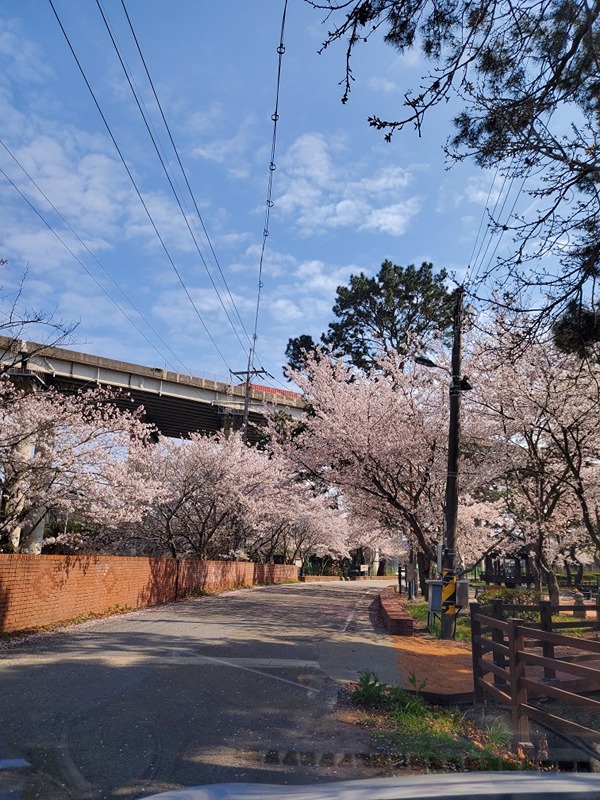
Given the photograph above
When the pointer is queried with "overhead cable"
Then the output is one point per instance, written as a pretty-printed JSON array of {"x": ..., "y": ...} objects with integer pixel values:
[
  {"x": 495, "y": 215},
  {"x": 135, "y": 186},
  {"x": 90, "y": 274},
  {"x": 106, "y": 272},
  {"x": 503, "y": 228},
  {"x": 145, "y": 118},
  {"x": 183, "y": 171},
  {"x": 269, "y": 200},
  {"x": 472, "y": 257}
]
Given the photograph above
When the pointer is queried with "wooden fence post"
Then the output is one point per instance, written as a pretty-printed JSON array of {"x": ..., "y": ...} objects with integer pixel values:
[
  {"x": 498, "y": 637},
  {"x": 518, "y": 693},
  {"x": 477, "y": 655},
  {"x": 547, "y": 647}
]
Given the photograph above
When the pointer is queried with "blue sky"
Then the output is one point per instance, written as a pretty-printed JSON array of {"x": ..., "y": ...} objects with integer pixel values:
[{"x": 344, "y": 200}]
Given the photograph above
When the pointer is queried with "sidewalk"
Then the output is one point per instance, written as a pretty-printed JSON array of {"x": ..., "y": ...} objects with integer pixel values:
[{"x": 446, "y": 666}]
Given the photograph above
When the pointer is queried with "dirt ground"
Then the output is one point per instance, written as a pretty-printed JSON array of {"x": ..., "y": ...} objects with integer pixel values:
[{"x": 445, "y": 666}]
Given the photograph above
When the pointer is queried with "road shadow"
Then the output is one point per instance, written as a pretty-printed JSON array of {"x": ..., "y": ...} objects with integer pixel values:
[{"x": 220, "y": 689}]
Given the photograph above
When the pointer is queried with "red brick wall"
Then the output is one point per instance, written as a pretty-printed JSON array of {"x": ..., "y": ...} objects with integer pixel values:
[{"x": 43, "y": 590}]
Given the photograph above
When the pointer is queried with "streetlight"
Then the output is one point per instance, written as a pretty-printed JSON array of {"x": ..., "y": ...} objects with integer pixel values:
[{"x": 458, "y": 384}]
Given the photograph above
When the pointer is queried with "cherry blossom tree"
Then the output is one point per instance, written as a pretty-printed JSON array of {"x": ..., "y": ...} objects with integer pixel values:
[
  {"x": 300, "y": 525},
  {"x": 542, "y": 410},
  {"x": 68, "y": 455},
  {"x": 197, "y": 513},
  {"x": 381, "y": 439},
  {"x": 530, "y": 446},
  {"x": 484, "y": 526},
  {"x": 224, "y": 499}
]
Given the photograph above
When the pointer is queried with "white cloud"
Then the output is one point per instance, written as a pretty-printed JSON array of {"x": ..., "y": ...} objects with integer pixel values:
[
  {"x": 303, "y": 303},
  {"x": 232, "y": 239},
  {"x": 285, "y": 310},
  {"x": 39, "y": 248},
  {"x": 314, "y": 276},
  {"x": 309, "y": 159},
  {"x": 382, "y": 85},
  {"x": 229, "y": 148},
  {"x": 393, "y": 219},
  {"x": 207, "y": 120},
  {"x": 336, "y": 182},
  {"x": 173, "y": 307},
  {"x": 275, "y": 263},
  {"x": 483, "y": 189},
  {"x": 299, "y": 194},
  {"x": 26, "y": 62},
  {"x": 388, "y": 181},
  {"x": 322, "y": 191}
]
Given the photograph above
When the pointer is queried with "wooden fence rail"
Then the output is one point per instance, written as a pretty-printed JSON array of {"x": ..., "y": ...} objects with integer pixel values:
[{"x": 519, "y": 661}]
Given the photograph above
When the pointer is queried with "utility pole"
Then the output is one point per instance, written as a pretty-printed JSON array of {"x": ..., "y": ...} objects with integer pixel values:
[
  {"x": 248, "y": 373},
  {"x": 449, "y": 552}
]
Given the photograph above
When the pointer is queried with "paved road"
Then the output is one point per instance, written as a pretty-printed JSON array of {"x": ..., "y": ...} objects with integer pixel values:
[{"x": 239, "y": 687}]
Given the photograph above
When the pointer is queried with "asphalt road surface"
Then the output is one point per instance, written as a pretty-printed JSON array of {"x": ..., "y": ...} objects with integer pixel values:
[{"x": 243, "y": 686}]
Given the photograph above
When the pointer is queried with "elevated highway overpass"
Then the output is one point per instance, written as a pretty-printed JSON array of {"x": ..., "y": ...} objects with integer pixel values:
[{"x": 176, "y": 404}]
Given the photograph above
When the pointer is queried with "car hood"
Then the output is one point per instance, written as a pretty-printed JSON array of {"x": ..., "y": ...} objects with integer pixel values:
[{"x": 488, "y": 785}]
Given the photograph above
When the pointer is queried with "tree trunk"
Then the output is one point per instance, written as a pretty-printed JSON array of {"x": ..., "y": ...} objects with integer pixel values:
[
  {"x": 33, "y": 539},
  {"x": 15, "y": 495},
  {"x": 568, "y": 573},
  {"x": 535, "y": 571},
  {"x": 424, "y": 565},
  {"x": 553, "y": 590},
  {"x": 551, "y": 580}
]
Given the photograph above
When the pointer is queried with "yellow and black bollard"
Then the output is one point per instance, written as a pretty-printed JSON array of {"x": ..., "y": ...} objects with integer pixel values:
[{"x": 448, "y": 602}]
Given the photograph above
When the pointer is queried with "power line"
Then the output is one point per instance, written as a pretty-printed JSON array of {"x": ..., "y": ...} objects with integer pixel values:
[
  {"x": 135, "y": 186},
  {"x": 495, "y": 215},
  {"x": 90, "y": 274},
  {"x": 106, "y": 272},
  {"x": 185, "y": 176},
  {"x": 502, "y": 226},
  {"x": 183, "y": 171},
  {"x": 250, "y": 370},
  {"x": 269, "y": 200},
  {"x": 144, "y": 116},
  {"x": 472, "y": 257}
]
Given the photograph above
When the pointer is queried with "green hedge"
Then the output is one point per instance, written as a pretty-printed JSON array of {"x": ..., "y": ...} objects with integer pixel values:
[{"x": 513, "y": 597}]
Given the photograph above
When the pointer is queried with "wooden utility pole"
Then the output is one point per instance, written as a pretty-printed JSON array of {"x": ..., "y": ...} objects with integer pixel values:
[{"x": 451, "y": 516}]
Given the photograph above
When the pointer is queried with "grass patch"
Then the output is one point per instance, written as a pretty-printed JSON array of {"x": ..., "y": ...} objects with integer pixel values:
[
  {"x": 414, "y": 733},
  {"x": 576, "y": 630},
  {"x": 418, "y": 609}
]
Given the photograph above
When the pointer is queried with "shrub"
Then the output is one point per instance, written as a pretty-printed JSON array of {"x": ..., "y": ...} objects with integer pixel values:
[{"x": 513, "y": 597}]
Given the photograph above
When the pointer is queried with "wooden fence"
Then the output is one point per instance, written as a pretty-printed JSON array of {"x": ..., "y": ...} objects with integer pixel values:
[{"x": 519, "y": 662}]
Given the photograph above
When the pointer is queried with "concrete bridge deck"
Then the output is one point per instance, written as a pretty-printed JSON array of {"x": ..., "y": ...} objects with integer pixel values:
[{"x": 177, "y": 404}]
